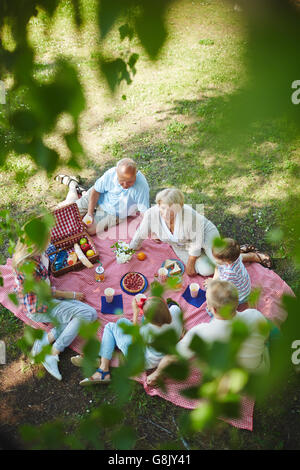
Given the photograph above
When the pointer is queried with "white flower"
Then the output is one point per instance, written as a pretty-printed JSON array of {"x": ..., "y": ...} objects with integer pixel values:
[{"x": 123, "y": 252}]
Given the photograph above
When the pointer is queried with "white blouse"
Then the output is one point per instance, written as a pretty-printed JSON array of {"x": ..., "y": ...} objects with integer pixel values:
[{"x": 190, "y": 230}]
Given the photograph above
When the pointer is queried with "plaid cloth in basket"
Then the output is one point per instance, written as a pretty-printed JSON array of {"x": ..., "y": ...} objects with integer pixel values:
[{"x": 68, "y": 223}]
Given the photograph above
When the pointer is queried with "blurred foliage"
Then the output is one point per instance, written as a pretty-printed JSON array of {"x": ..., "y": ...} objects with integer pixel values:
[
  {"x": 273, "y": 67},
  {"x": 45, "y": 102}
]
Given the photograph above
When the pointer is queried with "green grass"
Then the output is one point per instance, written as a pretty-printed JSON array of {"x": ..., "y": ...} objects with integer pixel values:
[{"x": 11, "y": 328}]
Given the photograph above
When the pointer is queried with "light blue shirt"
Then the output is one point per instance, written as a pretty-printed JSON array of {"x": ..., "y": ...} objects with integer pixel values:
[{"x": 123, "y": 202}]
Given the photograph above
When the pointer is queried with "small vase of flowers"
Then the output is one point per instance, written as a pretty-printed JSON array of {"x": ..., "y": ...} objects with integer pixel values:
[{"x": 123, "y": 252}]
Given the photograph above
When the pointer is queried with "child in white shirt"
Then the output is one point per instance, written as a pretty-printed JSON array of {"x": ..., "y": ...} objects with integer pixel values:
[{"x": 253, "y": 354}]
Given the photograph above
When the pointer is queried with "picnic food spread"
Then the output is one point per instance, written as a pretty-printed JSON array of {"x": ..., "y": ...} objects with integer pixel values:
[
  {"x": 133, "y": 282},
  {"x": 176, "y": 269},
  {"x": 174, "y": 266}
]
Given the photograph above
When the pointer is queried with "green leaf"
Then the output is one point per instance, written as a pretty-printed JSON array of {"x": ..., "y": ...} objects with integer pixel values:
[
  {"x": 90, "y": 356},
  {"x": 37, "y": 231},
  {"x": 150, "y": 26},
  {"x": 230, "y": 406},
  {"x": 275, "y": 235},
  {"x": 109, "y": 13},
  {"x": 254, "y": 296},
  {"x": 115, "y": 71},
  {"x": 157, "y": 289},
  {"x": 135, "y": 359},
  {"x": 206, "y": 42},
  {"x": 172, "y": 282},
  {"x": 202, "y": 417},
  {"x": 124, "y": 438},
  {"x": 110, "y": 415},
  {"x": 89, "y": 432},
  {"x": 126, "y": 31},
  {"x": 199, "y": 347},
  {"x": 88, "y": 330},
  {"x": 43, "y": 353},
  {"x": 43, "y": 156},
  {"x": 73, "y": 144},
  {"x": 239, "y": 330},
  {"x": 31, "y": 334},
  {"x": 132, "y": 61},
  {"x": 234, "y": 380},
  {"x": 209, "y": 389},
  {"x": 121, "y": 385},
  {"x": 192, "y": 392},
  {"x": 220, "y": 357},
  {"x": 13, "y": 298},
  {"x": 218, "y": 242},
  {"x": 25, "y": 122},
  {"x": 165, "y": 342},
  {"x": 178, "y": 371}
]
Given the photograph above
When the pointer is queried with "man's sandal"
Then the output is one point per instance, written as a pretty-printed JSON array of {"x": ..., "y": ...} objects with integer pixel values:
[
  {"x": 91, "y": 380},
  {"x": 66, "y": 179}
]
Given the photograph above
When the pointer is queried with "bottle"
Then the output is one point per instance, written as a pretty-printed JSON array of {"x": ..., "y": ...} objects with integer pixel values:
[{"x": 72, "y": 258}]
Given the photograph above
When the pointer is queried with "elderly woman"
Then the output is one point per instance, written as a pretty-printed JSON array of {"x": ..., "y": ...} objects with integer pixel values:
[{"x": 188, "y": 232}]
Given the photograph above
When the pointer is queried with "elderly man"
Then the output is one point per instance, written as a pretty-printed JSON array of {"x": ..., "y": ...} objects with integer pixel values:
[{"x": 119, "y": 192}]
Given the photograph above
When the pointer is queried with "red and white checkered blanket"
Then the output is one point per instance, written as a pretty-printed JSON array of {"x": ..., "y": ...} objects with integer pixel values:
[{"x": 269, "y": 304}]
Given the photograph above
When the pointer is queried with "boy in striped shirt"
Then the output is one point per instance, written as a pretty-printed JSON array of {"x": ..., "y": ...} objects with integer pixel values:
[{"x": 230, "y": 267}]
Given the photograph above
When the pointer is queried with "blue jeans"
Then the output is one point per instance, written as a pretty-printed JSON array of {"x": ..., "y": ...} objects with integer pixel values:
[
  {"x": 69, "y": 314},
  {"x": 114, "y": 336}
]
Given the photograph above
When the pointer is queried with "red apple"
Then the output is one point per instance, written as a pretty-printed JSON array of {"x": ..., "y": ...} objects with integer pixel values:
[{"x": 85, "y": 247}]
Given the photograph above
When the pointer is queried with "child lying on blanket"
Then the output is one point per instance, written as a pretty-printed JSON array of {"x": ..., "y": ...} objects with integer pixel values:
[
  {"x": 253, "y": 354},
  {"x": 230, "y": 267},
  {"x": 160, "y": 318},
  {"x": 69, "y": 311}
]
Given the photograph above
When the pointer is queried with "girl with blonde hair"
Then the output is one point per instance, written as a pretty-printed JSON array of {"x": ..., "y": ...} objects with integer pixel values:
[{"x": 66, "y": 309}]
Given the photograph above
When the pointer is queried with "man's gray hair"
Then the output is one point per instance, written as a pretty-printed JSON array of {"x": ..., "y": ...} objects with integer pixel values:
[{"x": 127, "y": 163}]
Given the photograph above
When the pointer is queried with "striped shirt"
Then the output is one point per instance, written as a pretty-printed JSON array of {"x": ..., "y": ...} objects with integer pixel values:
[{"x": 237, "y": 274}]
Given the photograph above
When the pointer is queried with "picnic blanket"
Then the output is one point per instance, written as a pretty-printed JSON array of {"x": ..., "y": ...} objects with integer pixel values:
[{"x": 273, "y": 287}]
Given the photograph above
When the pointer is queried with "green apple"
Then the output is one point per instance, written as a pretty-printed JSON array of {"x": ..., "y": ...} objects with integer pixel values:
[{"x": 82, "y": 241}]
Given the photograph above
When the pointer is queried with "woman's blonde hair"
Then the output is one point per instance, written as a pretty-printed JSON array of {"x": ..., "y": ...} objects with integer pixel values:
[
  {"x": 26, "y": 249},
  {"x": 23, "y": 253},
  {"x": 170, "y": 196},
  {"x": 156, "y": 311}
]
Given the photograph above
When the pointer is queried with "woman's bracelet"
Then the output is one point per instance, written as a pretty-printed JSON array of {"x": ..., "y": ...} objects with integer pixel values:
[{"x": 74, "y": 295}]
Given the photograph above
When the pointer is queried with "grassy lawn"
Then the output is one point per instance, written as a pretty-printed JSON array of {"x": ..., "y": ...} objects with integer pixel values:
[{"x": 173, "y": 123}]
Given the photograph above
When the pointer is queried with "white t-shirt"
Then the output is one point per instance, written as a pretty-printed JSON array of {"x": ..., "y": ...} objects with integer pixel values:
[
  {"x": 253, "y": 354},
  {"x": 149, "y": 330}
]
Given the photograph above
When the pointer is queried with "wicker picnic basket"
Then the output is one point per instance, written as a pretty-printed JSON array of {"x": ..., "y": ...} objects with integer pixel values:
[{"x": 69, "y": 229}]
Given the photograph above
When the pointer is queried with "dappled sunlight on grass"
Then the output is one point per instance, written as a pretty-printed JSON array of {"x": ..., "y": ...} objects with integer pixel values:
[{"x": 174, "y": 119}]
